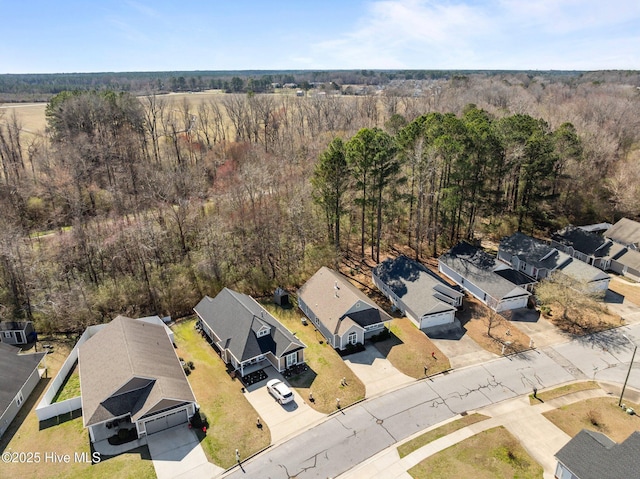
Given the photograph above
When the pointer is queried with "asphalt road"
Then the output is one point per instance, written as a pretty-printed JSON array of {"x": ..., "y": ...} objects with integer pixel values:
[{"x": 357, "y": 433}]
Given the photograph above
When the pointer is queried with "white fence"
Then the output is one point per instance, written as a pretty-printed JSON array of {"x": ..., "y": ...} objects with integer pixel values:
[{"x": 46, "y": 409}]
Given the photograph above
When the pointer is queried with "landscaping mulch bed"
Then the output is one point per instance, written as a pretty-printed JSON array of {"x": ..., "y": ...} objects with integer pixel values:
[{"x": 254, "y": 377}]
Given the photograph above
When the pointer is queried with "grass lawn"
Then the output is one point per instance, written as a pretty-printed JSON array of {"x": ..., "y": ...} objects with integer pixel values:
[
  {"x": 232, "y": 419},
  {"x": 26, "y": 434},
  {"x": 409, "y": 350},
  {"x": 444, "y": 430},
  {"x": 71, "y": 386},
  {"x": 491, "y": 454},
  {"x": 475, "y": 320},
  {"x": 597, "y": 414},
  {"x": 563, "y": 391},
  {"x": 326, "y": 367},
  {"x": 631, "y": 291}
]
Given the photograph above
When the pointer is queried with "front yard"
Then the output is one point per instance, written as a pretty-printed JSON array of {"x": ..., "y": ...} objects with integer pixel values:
[
  {"x": 410, "y": 350},
  {"x": 323, "y": 379},
  {"x": 600, "y": 414},
  {"x": 232, "y": 420}
]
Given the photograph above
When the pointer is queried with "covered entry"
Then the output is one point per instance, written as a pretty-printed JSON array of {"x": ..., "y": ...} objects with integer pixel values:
[{"x": 161, "y": 423}]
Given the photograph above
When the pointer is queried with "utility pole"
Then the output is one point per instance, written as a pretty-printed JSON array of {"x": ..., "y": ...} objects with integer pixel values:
[{"x": 635, "y": 348}]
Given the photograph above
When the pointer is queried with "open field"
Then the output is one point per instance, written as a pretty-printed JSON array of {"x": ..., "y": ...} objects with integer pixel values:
[
  {"x": 444, "y": 430},
  {"x": 69, "y": 437},
  {"x": 326, "y": 367},
  {"x": 492, "y": 454},
  {"x": 409, "y": 350},
  {"x": 30, "y": 115},
  {"x": 600, "y": 414},
  {"x": 231, "y": 418}
]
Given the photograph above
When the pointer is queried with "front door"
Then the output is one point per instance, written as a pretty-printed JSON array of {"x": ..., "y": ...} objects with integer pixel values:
[
  {"x": 352, "y": 338},
  {"x": 291, "y": 359}
]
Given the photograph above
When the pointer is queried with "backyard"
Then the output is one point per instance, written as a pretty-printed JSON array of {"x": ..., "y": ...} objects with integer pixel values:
[{"x": 232, "y": 420}]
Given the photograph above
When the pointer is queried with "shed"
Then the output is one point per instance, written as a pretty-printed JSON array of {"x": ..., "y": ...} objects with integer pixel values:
[{"x": 281, "y": 297}]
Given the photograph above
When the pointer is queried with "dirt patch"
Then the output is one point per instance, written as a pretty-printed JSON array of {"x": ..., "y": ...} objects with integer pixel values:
[
  {"x": 491, "y": 330},
  {"x": 581, "y": 321}
]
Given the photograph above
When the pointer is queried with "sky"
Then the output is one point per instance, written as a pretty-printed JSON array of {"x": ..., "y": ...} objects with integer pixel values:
[{"x": 55, "y": 36}]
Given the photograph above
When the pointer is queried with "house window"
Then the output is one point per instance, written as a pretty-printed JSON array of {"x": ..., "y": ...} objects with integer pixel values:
[
  {"x": 352, "y": 338},
  {"x": 263, "y": 332},
  {"x": 19, "y": 399},
  {"x": 292, "y": 359},
  {"x": 7, "y": 334}
]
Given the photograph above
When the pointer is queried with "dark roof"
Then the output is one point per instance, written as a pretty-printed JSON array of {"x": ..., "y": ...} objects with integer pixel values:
[
  {"x": 476, "y": 266},
  {"x": 14, "y": 372},
  {"x": 516, "y": 277},
  {"x": 579, "y": 239},
  {"x": 531, "y": 251},
  {"x": 143, "y": 372},
  {"x": 14, "y": 325},
  {"x": 236, "y": 319},
  {"x": 625, "y": 231},
  {"x": 592, "y": 455},
  {"x": 338, "y": 304},
  {"x": 422, "y": 291}
]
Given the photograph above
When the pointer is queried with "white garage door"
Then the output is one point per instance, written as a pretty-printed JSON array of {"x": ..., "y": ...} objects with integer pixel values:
[
  {"x": 513, "y": 303},
  {"x": 166, "y": 421}
]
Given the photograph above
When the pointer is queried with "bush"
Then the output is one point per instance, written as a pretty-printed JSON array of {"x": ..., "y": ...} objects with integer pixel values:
[
  {"x": 191, "y": 365},
  {"x": 187, "y": 371}
]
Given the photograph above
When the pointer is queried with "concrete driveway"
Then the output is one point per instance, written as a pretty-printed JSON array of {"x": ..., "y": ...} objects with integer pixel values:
[
  {"x": 534, "y": 325},
  {"x": 283, "y": 420},
  {"x": 461, "y": 349},
  {"x": 176, "y": 453},
  {"x": 375, "y": 371}
]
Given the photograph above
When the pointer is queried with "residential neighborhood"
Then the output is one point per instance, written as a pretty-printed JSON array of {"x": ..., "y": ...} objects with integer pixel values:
[{"x": 135, "y": 392}]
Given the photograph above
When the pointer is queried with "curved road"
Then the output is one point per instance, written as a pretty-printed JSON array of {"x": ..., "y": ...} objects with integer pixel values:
[{"x": 353, "y": 435}]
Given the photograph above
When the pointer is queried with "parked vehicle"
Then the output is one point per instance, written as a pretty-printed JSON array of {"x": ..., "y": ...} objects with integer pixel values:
[{"x": 280, "y": 391}]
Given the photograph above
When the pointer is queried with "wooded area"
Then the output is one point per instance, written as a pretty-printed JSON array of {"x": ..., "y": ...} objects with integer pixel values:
[{"x": 141, "y": 205}]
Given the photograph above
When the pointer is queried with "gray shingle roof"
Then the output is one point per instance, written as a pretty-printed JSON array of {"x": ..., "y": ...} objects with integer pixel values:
[
  {"x": 13, "y": 325},
  {"x": 630, "y": 258},
  {"x": 531, "y": 251},
  {"x": 418, "y": 288},
  {"x": 592, "y": 455},
  {"x": 581, "y": 271},
  {"x": 236, "y": 318},
  {"x": 476, "y": 266},
  {"x": 129, "y": 366},
  {"x": 15, "y": 369},
  {"x": 331, "y": 295},
  {"x": 579, "y": 239},
  {"x": 625, "y": 231}
]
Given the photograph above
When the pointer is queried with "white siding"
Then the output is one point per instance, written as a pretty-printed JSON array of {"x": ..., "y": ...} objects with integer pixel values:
[{"x": 437, "y": 319}]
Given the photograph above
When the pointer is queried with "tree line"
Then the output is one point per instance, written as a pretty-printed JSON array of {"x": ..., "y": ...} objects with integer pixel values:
[{"x": 140, "y": 205}]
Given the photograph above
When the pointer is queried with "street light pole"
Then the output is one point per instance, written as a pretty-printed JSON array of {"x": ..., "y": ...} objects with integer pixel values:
[{"x": 635, "y": 348}]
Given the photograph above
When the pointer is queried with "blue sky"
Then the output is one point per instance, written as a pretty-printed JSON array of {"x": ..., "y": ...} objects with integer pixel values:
[{"x": 47, "y": 36}]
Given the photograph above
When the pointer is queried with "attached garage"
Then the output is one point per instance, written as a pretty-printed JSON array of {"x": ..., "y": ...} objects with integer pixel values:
[
  {"x": 513, "y": 303},
  {"x": 166, "y": 421}
]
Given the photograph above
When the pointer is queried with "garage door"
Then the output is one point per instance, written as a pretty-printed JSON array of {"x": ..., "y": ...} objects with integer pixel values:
[
  {"x": 166, "y": 421},
  {"x": 513, "y": 303}
]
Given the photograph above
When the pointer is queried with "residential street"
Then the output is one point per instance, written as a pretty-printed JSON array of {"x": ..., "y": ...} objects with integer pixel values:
[{"x": 351, "y": 436}]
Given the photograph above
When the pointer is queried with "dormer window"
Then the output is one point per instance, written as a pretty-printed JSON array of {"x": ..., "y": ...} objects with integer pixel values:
[{"x": 263, "y": 332}]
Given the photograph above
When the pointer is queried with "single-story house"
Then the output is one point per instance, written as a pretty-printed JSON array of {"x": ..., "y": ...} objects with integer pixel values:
[
  {"x": 586, "y": 246},
  {"x": 419, "y": 294},
  {"x": 246, "y": 335},
  {"x": 17, "y": 332},
  {"x": 473, "y": 270},
  {"x": 625, "y": 232},
  {"x": 340, "y": 311},
  {"x": 131, "y": 378},
  {"x": 592, "y": 455},
  {"x": 19, "y": 375},
  {"x": 538, "y": 260},
  {"x": 627, "y": 263}
]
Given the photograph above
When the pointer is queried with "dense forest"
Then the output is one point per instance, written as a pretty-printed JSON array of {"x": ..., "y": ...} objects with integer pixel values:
[{"x": 142, "y": 204}]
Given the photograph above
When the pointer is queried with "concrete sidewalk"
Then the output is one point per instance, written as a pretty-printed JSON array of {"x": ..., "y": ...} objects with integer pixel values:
[{"x": 541, "y": 438}]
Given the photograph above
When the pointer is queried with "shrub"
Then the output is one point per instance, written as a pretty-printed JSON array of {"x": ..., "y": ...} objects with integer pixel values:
[
  {"x": 187, "y": 371},
  {"x": 191, "y": 365}
]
